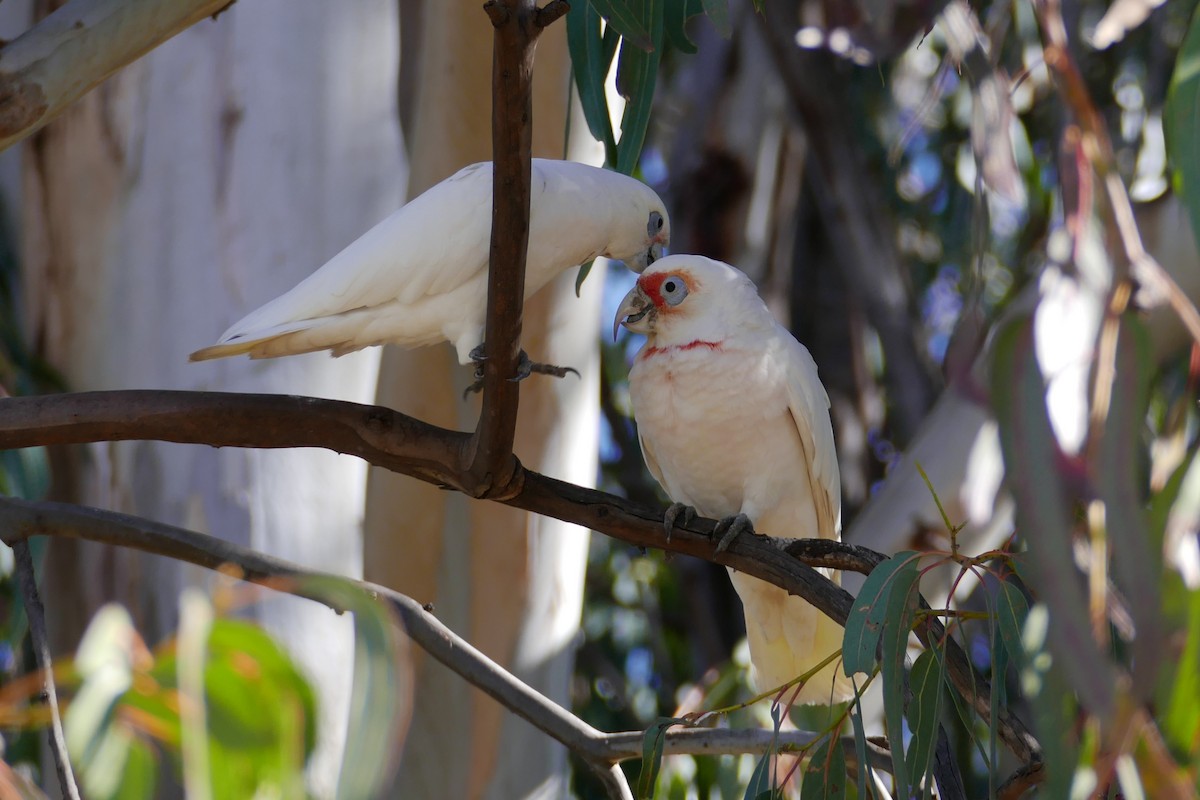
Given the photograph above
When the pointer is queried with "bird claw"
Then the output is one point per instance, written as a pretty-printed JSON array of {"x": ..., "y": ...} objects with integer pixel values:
[
  {"x": 476, "y": 385},
  {"x": 729, "y": 529},
  {"x": 525, "y": 368},
  {"x": 674, "y": 511}
]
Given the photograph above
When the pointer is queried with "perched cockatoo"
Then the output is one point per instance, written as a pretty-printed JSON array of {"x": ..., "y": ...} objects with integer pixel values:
[
  {"x": 420, "y": 276},
  {"x": 734, "y": 423}
]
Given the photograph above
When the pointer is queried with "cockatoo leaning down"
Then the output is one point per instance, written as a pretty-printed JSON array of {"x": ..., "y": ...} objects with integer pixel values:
[
  {"x": 734, "y": 423},
  {"x": 420, "y": 276}
]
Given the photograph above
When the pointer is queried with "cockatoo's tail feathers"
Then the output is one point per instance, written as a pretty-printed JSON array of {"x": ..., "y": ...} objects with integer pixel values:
[{"x": 221, "y": 351}]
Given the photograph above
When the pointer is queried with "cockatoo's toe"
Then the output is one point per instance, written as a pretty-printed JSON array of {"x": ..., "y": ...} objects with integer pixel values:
[
  {"x": 478, "y": 355},
  {"x": 476, "y": 385},
  {"x": 730, "y": 528},
  {"x": 525, "y": 368},
  {"x": 673, "y": 513}
]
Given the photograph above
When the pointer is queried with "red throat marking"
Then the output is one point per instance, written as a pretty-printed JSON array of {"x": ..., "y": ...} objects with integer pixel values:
[{"x": 679, "y": 348}]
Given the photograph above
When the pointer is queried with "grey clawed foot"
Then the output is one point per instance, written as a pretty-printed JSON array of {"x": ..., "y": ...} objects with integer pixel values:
[
  {"x": 477, "y": 356},
  {"x": 729, "y": 529},
  {"x": 674, "y": 511},
  {"x": 477, "y": 384},
  {"x": 525, "y": 368}
]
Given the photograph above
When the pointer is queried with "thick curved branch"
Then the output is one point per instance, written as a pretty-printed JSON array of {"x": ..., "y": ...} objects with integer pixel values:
[
  {"x": 71, "y": 51},
  {"x": 21, "y": 519},
  {"x": 377, "y": 435},
  {"x": 391, "y": 440}
]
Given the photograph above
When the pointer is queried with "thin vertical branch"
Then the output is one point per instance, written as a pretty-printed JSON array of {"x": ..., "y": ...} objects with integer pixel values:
[
  {"x": 41, "y": 653},
  {"x": 493, "y": 470}
]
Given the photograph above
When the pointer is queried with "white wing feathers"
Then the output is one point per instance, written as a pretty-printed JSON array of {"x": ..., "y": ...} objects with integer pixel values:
[
  {"x": 809, "y": 404},
  {"x": 370, "y": 272}
]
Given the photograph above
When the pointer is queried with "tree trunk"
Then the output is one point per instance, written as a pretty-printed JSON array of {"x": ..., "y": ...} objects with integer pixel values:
[
  {"x": 509, "y": 582},
  {"x": 193, "y": 186}
]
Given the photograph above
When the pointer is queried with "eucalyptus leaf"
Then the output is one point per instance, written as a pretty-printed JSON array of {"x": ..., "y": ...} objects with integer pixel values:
[
  {"x": 653, "y": 741},
  {"x": 825, "y": 775},
  {"x": 1045, "y": 513},
  {"x": 762, "y": 779},
  {"x": 900, "y": 612},
  {"x": 1011, "y": 610},
  {"x": 589, "y": 67},
  {"x": 637, "y": 74},
  {"x": 860, "y": 743},
  {"x": 104, "y": 662},
  {"x": 676, "y": 13},
  {"x": 1181, "y": 722},
  {"x": 1136, "y": 563},
  {"x": 865, "y": 621},
  {"x": 923, "y": 712},
  {"x": 624, "y": 17},
  {"x": 381, "y": 691},
  {"x": 585, "y": 269},
  {"x": 718, "y": 13},
  {"x": 1050, "y": 697},
  {"x": 1181, "y": 120}
]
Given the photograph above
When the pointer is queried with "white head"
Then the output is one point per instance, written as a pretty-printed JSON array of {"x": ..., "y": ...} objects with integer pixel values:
[
  {"x": 685, "y": 298},
  {"x": 641, "y": 226}
]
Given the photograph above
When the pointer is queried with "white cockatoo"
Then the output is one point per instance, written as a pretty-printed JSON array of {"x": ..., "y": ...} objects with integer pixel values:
[
  {"x": 420, "y": 276},
  {"x": 734, "y": 423}
]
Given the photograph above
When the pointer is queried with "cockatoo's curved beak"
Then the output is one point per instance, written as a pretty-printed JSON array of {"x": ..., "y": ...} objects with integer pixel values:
[
  {"x": 645, "y": 258},
  {"x": 634, "y": 312},
  {"x": 654, "y": 253}
]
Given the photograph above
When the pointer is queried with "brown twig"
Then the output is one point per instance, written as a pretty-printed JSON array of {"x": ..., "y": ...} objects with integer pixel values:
[
  {"x": 36, "y": 615},
  {"x": 492, "y": 469},
  {"x": 1021, "y": 781},
  {"x": 405, "y": 445}
]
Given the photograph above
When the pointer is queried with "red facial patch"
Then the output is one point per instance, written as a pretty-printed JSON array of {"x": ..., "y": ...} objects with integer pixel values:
[{"x": 652, "y": 286}]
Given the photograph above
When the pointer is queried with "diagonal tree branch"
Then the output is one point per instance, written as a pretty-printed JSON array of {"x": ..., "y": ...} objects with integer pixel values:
[
  {"x": 21, "y": 519},
  {"x": 399, "y": 443},
  {"x": 64, "y": 56}
]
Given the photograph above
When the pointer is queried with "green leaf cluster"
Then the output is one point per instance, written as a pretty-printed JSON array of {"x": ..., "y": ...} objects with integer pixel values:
[{"x": 258, "y": 711}]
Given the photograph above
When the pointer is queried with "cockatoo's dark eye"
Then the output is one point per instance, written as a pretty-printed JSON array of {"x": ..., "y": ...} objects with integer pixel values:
[
  {"x": 673, "y": 291},
  {"x": 655, "y": 224}
]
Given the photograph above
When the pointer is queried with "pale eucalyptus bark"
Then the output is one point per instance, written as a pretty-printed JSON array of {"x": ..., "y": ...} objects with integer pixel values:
[
  {"x": 73, "y": 49},
  {"x": 191, "y": 187}
]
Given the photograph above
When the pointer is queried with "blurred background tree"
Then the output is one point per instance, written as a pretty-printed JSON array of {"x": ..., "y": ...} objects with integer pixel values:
[{"x": 893, "y": 186}]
